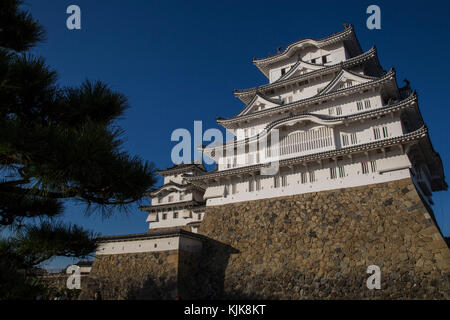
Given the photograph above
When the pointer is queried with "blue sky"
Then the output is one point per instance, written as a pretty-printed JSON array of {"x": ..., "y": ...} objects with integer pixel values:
[{"x": 179, "y": 61}]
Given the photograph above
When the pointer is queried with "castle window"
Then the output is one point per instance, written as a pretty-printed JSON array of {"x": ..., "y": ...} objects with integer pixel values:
[
  {"x": 199, "y": 216},
  {"x": 353, "y": 138},
  {"x": 283, "y": 71},
  {"x": 304, "y": 177},
  {"x": 284, "y": 181},
  {"x": 170, "y": 198},
  {"x": 359, "y": 105},
  {"x": 233, "y": 188},
  {"x": 164, "y": 216},
  {"x": 373, "y": 165},
  {"x": 258, "y": 184},
  {"x": 365, "y": 167},
  {"x": 376, "y": 133},
  {"x": 333, "y": 173},
  {"x": 341, "y": 172},
  {"x": 251, "y": 185},
  {"x": 276, "y": 181},
  {"x": 331, "y": 111},
  {"x": 175, "y": 215},
  {"x": 345, "y": 140},
  {"x": 367, "y": 104},
  {"x": 312, "y": 176},
  {"x": 339, "y": 111},
  {"x": 313, "y": 60},
  {"x": 385, "y": 132},
  {"x": 326, "y": 59}
]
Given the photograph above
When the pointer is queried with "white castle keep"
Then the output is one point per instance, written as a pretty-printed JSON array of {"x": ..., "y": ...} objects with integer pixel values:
[{"x": 330, "y": 117}]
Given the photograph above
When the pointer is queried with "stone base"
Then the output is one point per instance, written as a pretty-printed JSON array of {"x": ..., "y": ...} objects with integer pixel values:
[
  {"x": 319, "y": 245},
  {"x": 309, "y": 246}
]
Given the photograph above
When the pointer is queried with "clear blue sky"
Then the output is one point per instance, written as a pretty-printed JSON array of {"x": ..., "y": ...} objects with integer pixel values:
[{"x": 179, "y": 61}]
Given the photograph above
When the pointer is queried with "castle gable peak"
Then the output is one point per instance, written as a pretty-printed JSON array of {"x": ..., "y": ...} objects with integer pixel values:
[{"x": 345, "y": 79}]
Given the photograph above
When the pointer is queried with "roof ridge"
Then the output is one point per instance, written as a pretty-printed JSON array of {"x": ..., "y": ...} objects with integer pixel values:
[
  {"x": 348, "y": 29},
  {"x": 310, "y": 99}
]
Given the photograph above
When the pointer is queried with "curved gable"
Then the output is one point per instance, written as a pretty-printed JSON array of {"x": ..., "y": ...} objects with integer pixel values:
[
  {"x": 258, "y": 103},
  {"x": 345, "y": 79}
]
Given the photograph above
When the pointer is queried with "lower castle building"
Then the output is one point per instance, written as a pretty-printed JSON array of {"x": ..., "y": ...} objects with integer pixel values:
[{"x": 331, "y": 170}]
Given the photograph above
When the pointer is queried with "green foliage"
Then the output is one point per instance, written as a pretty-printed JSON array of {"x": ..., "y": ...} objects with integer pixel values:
[
  {"x": 56, "y": 143},
  {"x": 17, "y": 280}
]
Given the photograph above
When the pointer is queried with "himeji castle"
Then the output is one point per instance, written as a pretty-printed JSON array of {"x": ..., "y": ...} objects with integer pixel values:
[
  {"x": 330, "y": 171},
  {"x": 177, "y": 203},
  {"x": 340, "y": 119}
]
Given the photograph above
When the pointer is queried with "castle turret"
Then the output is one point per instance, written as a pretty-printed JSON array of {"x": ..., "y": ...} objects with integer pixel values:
[{"x": 177, "y": 203}]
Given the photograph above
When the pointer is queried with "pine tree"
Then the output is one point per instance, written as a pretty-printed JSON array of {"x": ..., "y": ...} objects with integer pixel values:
[{"x": 56, "y": 143}]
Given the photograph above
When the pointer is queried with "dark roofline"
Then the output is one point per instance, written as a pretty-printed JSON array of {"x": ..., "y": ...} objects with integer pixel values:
[
  {"x": 266, "y": 60},
  {"x": 174, "y": 184},
  {"x": 151, "y": 235},
  {"x": 412, "y": 136},
  {"x": 183, "y": 167},
  {"x": 349, "y": 63},
  {"x": 412, "y": 98},
  {"x": 185, "y": 204},
  {"x": 307, "y": 101}
]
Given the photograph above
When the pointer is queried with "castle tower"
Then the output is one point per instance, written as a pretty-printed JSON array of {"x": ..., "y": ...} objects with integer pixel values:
[
  {"x": 177, "y": 204},
  {"x": 330, "y": 118},
  {"x": 331, "y": 172}
]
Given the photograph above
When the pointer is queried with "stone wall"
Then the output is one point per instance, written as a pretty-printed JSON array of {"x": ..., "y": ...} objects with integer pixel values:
[
  {"x": 142, "y": 276},
  {"x": 150, "y": 275},
  {"x": 319, "y": 245}
]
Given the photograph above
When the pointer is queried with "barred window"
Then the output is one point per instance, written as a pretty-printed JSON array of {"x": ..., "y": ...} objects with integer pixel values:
[
  {"x": 312, "y": 176},
  {"x": 304, "y": 177},
  {"x": 365, "y": 167},
  {"x": 233, "y": 188},
  {"x": 251, "y": 185},
  {"x": 341, "y": 171},
  {"x": 333, "y": 173},
  {"x": 339, "y": 111},
  {"x": 359, "y": 105},
  {"x": 353, "y": 138},
  {"x": 373, "y": 165},
  {"x": 376, "y": 133},
  {"x": 284, "y": 181},
  {"x": 367, "y": 104},
  {"x": 385, "y": 132},
  {"x": 258, "y": 184},
  {"x": 276, "y": 181},
  {"x": 345, "y": 140}
]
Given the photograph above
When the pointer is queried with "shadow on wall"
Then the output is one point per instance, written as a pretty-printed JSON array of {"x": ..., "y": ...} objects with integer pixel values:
[
  {"x": 163, "y": 288},
  {"x": 210, "y": 276}
]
